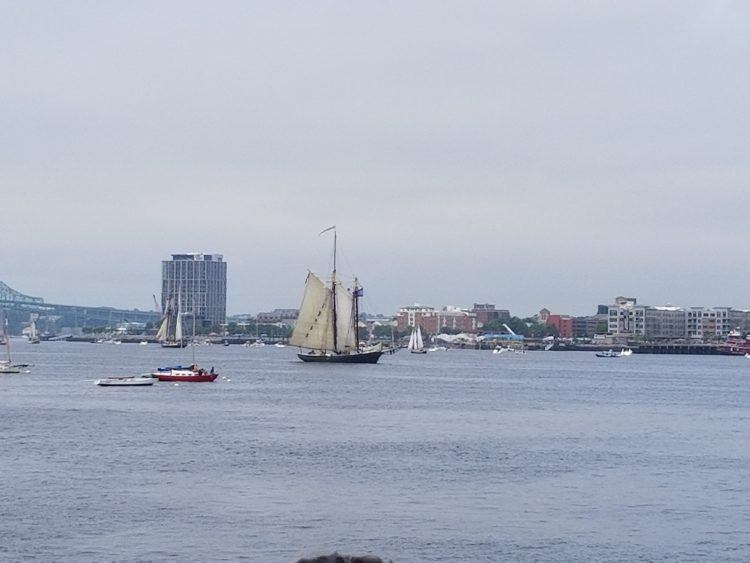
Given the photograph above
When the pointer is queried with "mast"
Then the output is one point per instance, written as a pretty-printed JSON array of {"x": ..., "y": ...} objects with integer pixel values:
[
  {"x": 192, "y": 342},
  {"x": 6, "y": 336},
  {"x": 333, "y": 293},
  {"x": 356, "y": 313}
]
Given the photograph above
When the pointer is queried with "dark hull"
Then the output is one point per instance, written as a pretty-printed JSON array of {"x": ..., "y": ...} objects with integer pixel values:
[
  {"x": 359, "y": 358},
  {"x": 173, "y": 344}
]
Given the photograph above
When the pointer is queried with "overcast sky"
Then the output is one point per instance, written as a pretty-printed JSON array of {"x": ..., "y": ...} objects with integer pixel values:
[{"x": 528, "y": 154}]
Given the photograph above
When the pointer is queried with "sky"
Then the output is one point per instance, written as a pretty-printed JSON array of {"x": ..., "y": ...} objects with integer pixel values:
[{"x": 527, "y": 154}]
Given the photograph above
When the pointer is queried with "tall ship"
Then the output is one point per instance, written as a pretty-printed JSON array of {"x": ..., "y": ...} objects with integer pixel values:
[
  {"x": 328, "y": 321},
  {"x": 170, "y": 331}
]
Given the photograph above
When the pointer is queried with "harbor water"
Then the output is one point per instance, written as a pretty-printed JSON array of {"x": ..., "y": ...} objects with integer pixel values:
[{"x": 449, "y": 456}]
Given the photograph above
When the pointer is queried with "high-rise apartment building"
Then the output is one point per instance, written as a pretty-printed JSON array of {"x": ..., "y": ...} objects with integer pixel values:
[{"x": 198, "y": 283}]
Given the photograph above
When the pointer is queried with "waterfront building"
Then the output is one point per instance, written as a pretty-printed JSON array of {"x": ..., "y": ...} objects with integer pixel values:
[
  {"x": 666, "y": 322},
  {"x": 486, "y": 313},
  {"x": 282, "y": 316},
  {"x": 562, "y": 324},
  {"x": 590, "y": 325},
  {"x": 432, "y": 321},
  {"x": 416, "y": 315},
  {"x": 456, "y": 319},
  {"x": 708, "y": 324},
  {"x": 626, "y": 318},
  {"x": 199, "y": 282}
]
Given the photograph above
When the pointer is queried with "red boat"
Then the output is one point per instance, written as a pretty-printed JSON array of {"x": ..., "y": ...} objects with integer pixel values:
[
  {"x": 736, "y": 344},
  {"x": 187, "y": 375}
]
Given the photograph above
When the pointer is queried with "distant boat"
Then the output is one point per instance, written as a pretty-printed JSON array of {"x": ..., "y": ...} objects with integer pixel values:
[
  {"x": 747, "y": 355},
  {"x": 7, "y": 366},
  {"x": 328, "y": 322},
  {"x": 416, "y": 344},
  {"x": 170, "y": 330},
  {"x": 130, "y": 381},
  {"x": 191, "y": 374},
  {"x": 33, "y": 334},
  {"x": 626, "y": 352},
  {"x": 143, "y": 343},
  {"x": 280, "y": 345},
  {"x": 608, "y": 354}
]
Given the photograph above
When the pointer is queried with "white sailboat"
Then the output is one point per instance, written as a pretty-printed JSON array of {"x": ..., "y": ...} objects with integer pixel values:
[
  {"x": 328, "y": 321},
  {"x": 416, "y": 344}
]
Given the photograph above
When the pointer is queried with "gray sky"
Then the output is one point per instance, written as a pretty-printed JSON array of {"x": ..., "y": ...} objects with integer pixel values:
[{"x": 528, "y": 154}]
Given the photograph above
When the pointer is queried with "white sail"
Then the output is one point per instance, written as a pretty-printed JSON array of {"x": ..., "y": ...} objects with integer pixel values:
[
  {"x": 346, "y": 338},
  {"x": 415, "y": 340},
  {"x": 178, "y": 321},
  {"x": 162, "y": 334},
  {"x": 32, "y": 330},
  {"x": 314, "y": 326}
]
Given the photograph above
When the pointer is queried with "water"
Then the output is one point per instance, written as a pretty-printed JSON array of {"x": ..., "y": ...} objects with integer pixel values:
[{"x": 452, "y": 456}]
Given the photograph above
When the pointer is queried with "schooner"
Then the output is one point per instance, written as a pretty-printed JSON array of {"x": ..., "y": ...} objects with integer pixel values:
[
  {"x": 328, "y": 321},
  {"x": 170, "y": 331}
]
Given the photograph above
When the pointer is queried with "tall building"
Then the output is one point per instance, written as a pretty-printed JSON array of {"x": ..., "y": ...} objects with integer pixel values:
[{"x": 199, "y": 283}]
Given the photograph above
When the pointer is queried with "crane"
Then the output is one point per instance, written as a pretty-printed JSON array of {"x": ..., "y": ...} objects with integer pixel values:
[
  {"x": 156, "y": 304},
  {"x": 509, "y": 329}
]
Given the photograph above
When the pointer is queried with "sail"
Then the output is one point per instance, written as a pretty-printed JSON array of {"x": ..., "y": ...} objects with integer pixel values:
[
  {"x": 162, "y": 334},
  {"x": 346, "y": 337},
  {"x": 32, "y": 330},
  {"x": 412, "y": 340},
  {"x": 314, "y": 326},
  {"x": 419, "y": 342}
]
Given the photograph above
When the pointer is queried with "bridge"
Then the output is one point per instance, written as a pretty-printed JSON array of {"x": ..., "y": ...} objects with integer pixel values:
[{"x": 54, "y": 318}]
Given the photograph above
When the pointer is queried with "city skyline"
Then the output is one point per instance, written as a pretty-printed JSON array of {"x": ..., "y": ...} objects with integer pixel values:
[{"x": 528, "y": 155}]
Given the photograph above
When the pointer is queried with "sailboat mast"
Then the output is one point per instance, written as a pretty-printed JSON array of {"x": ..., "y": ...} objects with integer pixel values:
[
  {"x": 333, "y": 294},
  {"x": 6, "y": 336},
  {"x": 356, "y": 313},
  {"x": 192, "y": 342}
]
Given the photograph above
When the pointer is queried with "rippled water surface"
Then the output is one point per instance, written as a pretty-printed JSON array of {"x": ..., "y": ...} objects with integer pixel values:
[{"x": 458, "y": 455}]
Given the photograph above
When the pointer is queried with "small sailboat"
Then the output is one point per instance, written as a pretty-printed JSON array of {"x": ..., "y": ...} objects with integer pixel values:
[
  {"x": 189, "y": 374},
  {"x": 416, "y": 344},
  {"x": 328, "y": 321},
  {"x": 7, "y": 366}
]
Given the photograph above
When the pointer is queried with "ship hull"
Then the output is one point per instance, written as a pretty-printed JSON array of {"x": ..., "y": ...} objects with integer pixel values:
[
  {"x": 358, "y": 358},
  {"x": 173, "y": 344},
  {"x": 194, "y": 378}
]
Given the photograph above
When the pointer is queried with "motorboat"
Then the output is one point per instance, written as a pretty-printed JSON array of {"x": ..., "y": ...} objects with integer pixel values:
[
  {"x": 608, "y": 354},
  {"x": 130, "y": 381},
  {"x": 626, "y": 352}
]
